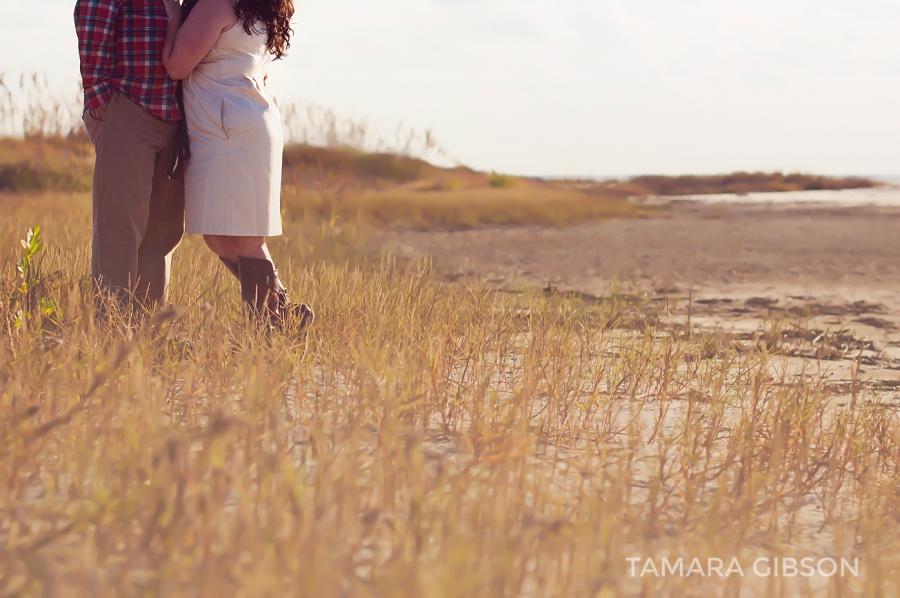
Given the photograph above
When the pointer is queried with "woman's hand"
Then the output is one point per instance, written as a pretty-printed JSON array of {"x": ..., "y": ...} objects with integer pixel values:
[{"x": 173, "y": 10}]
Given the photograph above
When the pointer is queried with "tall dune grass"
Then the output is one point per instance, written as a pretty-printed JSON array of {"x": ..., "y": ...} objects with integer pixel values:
[
  {"x": 31, "y": 107},
  {"x": 346, "y": 168}
]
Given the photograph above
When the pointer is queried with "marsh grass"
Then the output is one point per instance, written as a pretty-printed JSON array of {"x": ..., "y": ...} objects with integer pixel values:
[
  {"x": 423, "y": 439},
  {"x": 744, "y": 182},
  {"x": 347, "y": 185},
  {"x": 451, "y": 208}
]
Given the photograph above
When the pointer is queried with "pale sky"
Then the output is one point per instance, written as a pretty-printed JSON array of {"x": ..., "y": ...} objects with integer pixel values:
[{"x": 583, "y": 87}]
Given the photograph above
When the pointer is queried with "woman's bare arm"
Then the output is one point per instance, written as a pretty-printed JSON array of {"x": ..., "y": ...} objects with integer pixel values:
[{"x": 188, "y": 43}]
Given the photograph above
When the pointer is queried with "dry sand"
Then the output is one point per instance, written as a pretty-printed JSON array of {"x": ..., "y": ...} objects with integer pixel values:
[{"x": 830, "y": 273}]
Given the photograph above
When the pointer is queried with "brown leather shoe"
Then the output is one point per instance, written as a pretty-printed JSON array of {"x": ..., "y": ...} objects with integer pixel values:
[{"x": 263, "y": 292}]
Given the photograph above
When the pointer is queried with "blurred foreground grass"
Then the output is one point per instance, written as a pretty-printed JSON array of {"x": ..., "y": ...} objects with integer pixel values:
[{"x": 425, "y": 439}]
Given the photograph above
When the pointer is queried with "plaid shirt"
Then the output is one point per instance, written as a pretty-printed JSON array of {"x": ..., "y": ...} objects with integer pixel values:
[{"x": 121, "y": 43}]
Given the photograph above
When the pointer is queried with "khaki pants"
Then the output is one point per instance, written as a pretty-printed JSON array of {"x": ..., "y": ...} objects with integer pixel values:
[{"x": 138, "y": 211}]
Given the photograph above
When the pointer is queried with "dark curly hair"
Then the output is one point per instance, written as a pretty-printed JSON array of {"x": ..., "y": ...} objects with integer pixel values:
[{"x": 275, "y": 15}]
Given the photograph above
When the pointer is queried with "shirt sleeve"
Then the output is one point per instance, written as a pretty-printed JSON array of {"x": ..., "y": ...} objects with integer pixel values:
[{"x": 95, "y": 22}]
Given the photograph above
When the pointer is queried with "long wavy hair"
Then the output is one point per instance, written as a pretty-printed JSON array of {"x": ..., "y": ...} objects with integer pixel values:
[{"x": 275, "y": 15}]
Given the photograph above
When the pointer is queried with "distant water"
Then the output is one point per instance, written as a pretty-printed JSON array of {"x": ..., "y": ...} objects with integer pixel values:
[{"x": 878, "y": 196}]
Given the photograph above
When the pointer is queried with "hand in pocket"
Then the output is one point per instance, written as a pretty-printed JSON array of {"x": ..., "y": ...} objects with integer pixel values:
[{"x": 99, "y": 113}]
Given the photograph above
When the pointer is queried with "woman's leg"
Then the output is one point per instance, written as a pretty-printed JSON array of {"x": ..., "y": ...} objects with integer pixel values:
[
  {"x": 254, "y": 247},
  {"x": 249, "y": 259},
  {"x": 221, "y": 246},
  {"x": 230, "y": 247}
]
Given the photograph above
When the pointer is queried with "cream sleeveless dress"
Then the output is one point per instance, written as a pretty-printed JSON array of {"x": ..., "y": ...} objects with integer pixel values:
[{"x": 233, "y": 180}]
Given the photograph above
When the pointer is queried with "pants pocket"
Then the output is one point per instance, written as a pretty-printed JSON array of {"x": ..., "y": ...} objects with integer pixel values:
[{"x": 93, "y": 126}]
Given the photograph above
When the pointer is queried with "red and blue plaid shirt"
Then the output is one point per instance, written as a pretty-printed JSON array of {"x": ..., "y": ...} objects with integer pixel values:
[{"x": 121, "y": 43}]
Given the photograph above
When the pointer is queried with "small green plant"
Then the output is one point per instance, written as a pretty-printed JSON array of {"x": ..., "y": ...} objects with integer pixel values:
[{"x": 24, "y": 300}]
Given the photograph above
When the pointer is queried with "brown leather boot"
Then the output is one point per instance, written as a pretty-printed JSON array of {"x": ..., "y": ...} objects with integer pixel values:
[
  {"x": 263, "y": 292},
  {"x": 232, "y": 267}
]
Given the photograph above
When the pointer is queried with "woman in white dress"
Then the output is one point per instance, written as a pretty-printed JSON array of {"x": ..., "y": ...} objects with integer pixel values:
[{"x": 221, "y": 50}]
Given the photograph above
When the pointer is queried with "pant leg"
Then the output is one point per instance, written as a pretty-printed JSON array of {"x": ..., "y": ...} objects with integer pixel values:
[
  {"x": 128, "y": 144},
  {"x": 165, "y": 228}
]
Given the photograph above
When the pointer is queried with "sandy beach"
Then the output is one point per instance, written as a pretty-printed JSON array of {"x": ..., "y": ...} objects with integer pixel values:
[{"x": 824, "y": 266}]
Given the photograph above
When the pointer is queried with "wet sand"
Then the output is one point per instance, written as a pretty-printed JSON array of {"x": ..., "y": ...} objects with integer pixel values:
[{"x": 832, "y": 271}]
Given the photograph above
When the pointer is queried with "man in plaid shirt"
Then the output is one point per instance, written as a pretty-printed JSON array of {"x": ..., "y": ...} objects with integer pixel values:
[{"x": 131, "y": 116}]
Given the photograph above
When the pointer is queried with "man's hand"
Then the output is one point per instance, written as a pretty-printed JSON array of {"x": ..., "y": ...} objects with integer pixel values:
[
  {"x": 173, "y": 9},
  {"x": 99, "y": 113}
]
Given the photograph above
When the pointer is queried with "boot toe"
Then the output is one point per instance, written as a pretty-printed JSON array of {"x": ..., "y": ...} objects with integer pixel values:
[{"x": 302, "y": 314}]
